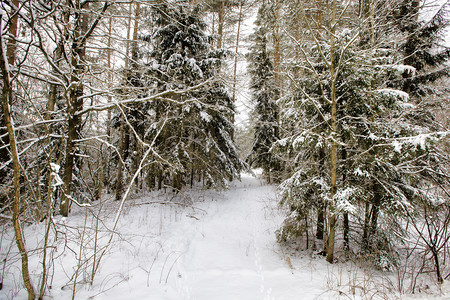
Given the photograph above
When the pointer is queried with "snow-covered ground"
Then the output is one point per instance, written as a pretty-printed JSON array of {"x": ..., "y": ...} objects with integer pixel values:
[{"x": 199, "y": 245}]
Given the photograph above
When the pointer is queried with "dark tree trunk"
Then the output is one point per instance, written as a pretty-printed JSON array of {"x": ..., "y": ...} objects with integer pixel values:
[
  {"x": 346, "y": 232},
  {"x": 75, "y": 105},
  {"x": 320, "y": 221},
  {"x": 365, "y": 239},
  {"x": 346, "y": 221},
  {"x": 119, "y": 183}
]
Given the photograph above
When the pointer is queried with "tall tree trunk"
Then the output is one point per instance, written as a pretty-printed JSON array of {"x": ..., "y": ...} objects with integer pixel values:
[
  {"x": 134, "y": 55},
  {"x": 236, "y": 62},
  {"x": 108, "y": 121},
  {"x": 346, "y": 220},
  {"x": 119, "y": 183},
  {"x": 321, "y": 209},
  {"x": 75, "y": 105},
  {"x": 134, "y": 49},
  {"x": 375, "y": 208},
  {"x": 334, "y": 145},
  {"x": 236, "y": 52},
  {"x": 53, "y": 95},
  {"x": 100, "y": 164},
  {"x": 58, "y": 54},
  {"x": 7, "y": 95},
  {"x": 10, "y": 59},
  {"x": 221, "y": 24},
  {"x": 11, "y": 42},
  {"x": 365, "y": 239},
  {"x": 320, "y": 221},
  {"x": 276, "y": 47},
  {"x": 346, "y": 232},
  {"x": 124, "y": 138}
]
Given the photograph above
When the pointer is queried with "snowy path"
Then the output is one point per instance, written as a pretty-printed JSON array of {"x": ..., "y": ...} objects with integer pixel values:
[
  {"x": 232, "y": 253},
  {"x": 223, "y": 260}
]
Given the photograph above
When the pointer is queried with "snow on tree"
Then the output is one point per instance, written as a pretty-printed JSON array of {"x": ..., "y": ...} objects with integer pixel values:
[
  {"x": 425, "y": 51},
  {"x": 357, "y": 152},
  {"x": 198, "y": 125},
  {"x": 265, "y": 94}
]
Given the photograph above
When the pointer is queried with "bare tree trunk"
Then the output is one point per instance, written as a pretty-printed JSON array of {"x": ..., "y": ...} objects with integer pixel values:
[
  {"x": 7, "y": 95},
  {"x": 375, "y": 211},
  {"x": 365, "y": 240},
  {"x": 53, "y": 95},
  {"x": 320, "y": 221},
  {"x": 10, "y": 56},
  {"x": 346, "y": 232},
  {"x": 13, "y": 25},
  {"x": 74, "y": 106},
  {"x": 346, "y": 220},
  {"x": 108, "y": 121},
  {"x": 321, "y": 210},
  {"x": 82, "y": 31},
  {"x": 119, "y": 183},
  {"x": 123, "y": 135},
  {"x": 236, "y": 51},
  {"x": 134, "y": 56},
  {"x": 221, "y": 25},
  {"x": 135, "y": 32},
  {"x": 437, "y": 265},
  {"x": 276, "y": 46},
  {"x": 332, "y": 218}
]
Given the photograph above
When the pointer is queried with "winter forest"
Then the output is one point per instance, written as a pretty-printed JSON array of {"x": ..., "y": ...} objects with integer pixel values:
[{"x": 225, "y": 149}]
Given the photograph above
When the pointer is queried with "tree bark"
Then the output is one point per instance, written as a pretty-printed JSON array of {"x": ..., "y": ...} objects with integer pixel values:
[
  {"x": 11, "y": 43},
  {"x": 346, "y": 232},
  {"x": 365, "y": 240},
  {"x": 119, "y": 183},
  {"x": 108, "y": 121},
  {"x": 437, "y": 265},
  {"x": 236, "y": 52},
  {"x": 134, "y": 55},
  {"x": 375, "y": 209},
  {"x": 346, "y": 219},
  {"x": 58, "y": 54},
  {"x": 334, "y": 162},
  {"x": 7, "y": 95},
  {"x": 276, "y": 47},
  {"x": 75, "y": 105},
  {"x": 320, "y": 221},
  {"x": 123, "y": 143},
  {"x": 221, "y": 25},
  {"x": 10, "y": 59}
]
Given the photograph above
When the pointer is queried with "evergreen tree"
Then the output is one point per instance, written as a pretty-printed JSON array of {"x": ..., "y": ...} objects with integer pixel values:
[
  {"x": 265, "y": 94},
  {"x": 385, "y": 156},
  {"x": 423, "y": 49},
  {"x": 198, "y": 125}
]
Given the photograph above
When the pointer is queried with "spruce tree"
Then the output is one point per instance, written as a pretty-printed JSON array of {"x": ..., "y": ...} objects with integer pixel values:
[
  {"x": 423, "y": 49},
  {"x": 386, "y": 154},
  {"x": 197, "y": 125},
  {"x": 264, "y": 94}
]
